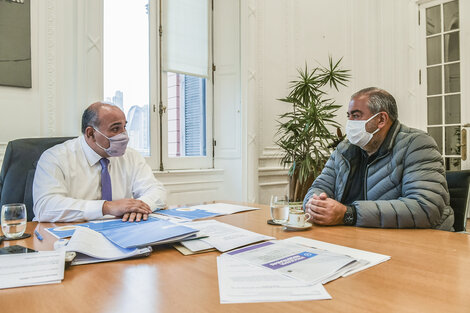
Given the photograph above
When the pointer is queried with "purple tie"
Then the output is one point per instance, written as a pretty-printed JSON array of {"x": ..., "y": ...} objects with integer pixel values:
[{"x": 106, "y": 192}]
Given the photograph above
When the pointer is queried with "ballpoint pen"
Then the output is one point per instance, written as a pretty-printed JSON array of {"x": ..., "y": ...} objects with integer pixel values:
[{"x": 38, "y": 235}]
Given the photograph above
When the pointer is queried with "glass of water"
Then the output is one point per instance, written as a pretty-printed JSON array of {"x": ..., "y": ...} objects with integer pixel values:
[
  {"x": 280, "y": 209},
  {"x": 13, "y": 219}
]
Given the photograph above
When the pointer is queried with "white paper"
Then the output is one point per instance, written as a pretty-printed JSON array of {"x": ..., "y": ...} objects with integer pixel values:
[
  {"x": 226, "y": 237},
  {"x": 367, "y": 259},
  {"x": 26, "y": 269},
  {"x": 94, "y": 247},
  {"x": 223, "y": 208},
  {"x": 297, "y": 261},
  {"x": 242, "y": 282},
  {"x": 196, "y": 245}
]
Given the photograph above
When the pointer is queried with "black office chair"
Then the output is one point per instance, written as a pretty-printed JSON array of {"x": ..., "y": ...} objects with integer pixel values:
[
  {"x": 19, "y": 165},
  {"x": 459, "y": 189}
]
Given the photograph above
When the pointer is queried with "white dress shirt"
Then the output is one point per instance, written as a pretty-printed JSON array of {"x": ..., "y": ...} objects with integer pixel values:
[{"x": 67, "y": 182}]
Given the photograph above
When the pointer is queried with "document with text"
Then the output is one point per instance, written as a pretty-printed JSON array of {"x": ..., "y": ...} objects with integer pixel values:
[
  {"x": 26, "y": 269},
  {"x": 223, "y": 237},
  {"x": 242, "y": 282},
  {"x": 203, "y": 211},
  {"x": 366, "y": 258},
  {"x": 300, "y": 262}
]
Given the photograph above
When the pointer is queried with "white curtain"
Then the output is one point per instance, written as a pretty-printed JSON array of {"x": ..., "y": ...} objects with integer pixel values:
[{"x": 185, "y": 40}]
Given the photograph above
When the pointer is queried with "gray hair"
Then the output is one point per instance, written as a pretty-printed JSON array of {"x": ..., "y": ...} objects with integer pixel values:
[
  {"x": 379, "y": 100},
  {"x": 90, "y": 116}
]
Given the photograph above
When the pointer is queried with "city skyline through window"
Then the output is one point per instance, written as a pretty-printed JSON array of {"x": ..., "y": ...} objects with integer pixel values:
[{"x": 126, "y": 66}]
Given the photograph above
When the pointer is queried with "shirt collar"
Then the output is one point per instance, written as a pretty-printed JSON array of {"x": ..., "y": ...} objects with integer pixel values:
[{"x": 91, "y": 156}]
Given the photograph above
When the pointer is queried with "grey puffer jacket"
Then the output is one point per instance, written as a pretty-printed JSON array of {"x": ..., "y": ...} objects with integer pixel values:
[{"x": 405, "y": 188}]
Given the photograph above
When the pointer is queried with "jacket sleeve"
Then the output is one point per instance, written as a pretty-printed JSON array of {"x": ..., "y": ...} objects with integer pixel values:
[
  {"x": 325, "y": 182},
  {"x": 424, "y": 194}
]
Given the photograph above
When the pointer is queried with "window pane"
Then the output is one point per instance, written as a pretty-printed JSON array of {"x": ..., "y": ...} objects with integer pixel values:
[
  {"x": 452, "y": 77},
  {"x": 451, "y": 47},
  {"x": 126, "y": 66},
  {"x": 453, "y": 164},
  {"x": 452, "y": 109},
  {"x": 433, "y": 20},
  {"x": 451, "y": 15},
  {"x": 434, "y": 110},
  {"x": 452, "y": 140},
  {"x": 436, "y": 133},
  {"x": 434, "y": 80},
  {"x": 186, "y": 115},
  {"x": 433, "y": 50}
]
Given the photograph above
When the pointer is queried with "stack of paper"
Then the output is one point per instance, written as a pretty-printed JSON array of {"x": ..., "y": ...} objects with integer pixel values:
[
  {"x": 204, "y": 211},
  {"x": 299, "y": 262},
  {"x": 223, "y": 237},
  {"x": 287, "y": 270},
  {"x": 366, "y": 258},
  {"x": 27, "y": 269},
  {"x": 242, "y": 282},
  {"x": 93, "y": 247}
]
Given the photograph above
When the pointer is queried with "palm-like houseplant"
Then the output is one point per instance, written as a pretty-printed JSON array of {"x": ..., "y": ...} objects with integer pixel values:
[{"x": 304, "y": 132}]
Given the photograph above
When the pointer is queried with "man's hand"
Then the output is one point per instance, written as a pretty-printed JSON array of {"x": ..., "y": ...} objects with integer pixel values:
[
  {"x": 129, "y": 209},
  {"x": 324, "y": 210}
]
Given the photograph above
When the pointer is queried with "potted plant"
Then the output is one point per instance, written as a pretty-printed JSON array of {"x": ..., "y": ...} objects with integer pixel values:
[{"x": 304, "y": 132}]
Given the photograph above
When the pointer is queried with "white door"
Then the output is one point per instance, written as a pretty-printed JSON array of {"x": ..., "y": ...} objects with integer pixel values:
[{"x": 445, "y": 77}]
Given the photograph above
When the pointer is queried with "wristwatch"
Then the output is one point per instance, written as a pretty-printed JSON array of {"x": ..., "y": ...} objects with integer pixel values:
[{"x": 350, "y": 215}]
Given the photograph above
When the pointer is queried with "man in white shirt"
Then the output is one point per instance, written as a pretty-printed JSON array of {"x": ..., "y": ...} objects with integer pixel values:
[{"x": 95, "y": 175}]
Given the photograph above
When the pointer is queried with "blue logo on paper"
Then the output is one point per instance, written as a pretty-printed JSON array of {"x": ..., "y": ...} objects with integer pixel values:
[{"x": 289, "y": 260}]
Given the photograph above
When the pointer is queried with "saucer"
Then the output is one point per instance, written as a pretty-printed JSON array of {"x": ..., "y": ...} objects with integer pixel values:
[{"x": 290, "y": 227}]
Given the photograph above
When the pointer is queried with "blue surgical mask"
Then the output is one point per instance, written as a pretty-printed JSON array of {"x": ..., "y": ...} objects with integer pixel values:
[
  {"x": 117, "y": 144},
  {"x": 356, "y": 132}
]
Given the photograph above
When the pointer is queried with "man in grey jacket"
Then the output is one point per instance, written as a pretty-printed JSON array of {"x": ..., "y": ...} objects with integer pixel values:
[{"x": 385, "y": 175}]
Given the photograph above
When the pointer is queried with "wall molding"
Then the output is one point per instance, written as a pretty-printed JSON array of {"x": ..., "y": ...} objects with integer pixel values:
[
  {"x": 192, "y": 186},
  {"x": 51, "y": 94},
  {"x": 272, "y": 176}
]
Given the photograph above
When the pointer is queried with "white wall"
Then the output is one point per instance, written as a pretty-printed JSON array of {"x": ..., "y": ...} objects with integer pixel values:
[
  {"x": 63, "y": 58},
  {"x": 375, "y": 38},
  {"x": 67, "y": 76}
]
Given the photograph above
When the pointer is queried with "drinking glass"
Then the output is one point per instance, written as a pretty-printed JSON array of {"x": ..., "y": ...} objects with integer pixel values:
[
  {"x": 13, "y": 219},
  {"x": 279, "y": 208}
]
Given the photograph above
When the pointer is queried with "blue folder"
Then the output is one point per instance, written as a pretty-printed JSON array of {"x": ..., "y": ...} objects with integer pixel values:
[
  {"x": 188, "y": 213},
  {"x": 129, "y": 235},
  {"x": 68, "y": 230},
  {"x": 147, "y": 234}
]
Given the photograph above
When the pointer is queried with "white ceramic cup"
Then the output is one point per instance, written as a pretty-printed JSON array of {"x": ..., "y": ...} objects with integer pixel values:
[{"x": 298, "y": 218}]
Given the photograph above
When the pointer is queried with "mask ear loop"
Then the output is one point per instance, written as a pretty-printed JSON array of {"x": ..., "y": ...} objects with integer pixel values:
[
  {"x": 104, "y": 137},
  {"x": 375, "y": 131}
]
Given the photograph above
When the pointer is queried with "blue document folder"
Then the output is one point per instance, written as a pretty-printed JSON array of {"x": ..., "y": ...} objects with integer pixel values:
[
  {"x": 100, "y": 225},
  {"x": 147, "y": 234},
  {"x": 188, "y": 213}
]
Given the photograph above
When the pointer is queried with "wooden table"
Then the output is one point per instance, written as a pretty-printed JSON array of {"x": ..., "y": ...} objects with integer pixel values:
[{"x": 429, "y": 272}]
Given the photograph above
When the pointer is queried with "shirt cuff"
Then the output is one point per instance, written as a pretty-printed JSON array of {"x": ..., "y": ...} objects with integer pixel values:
[{"x": 94, "y": 210}]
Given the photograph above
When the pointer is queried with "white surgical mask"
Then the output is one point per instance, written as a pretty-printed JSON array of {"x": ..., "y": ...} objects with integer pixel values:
[
  {"x": 117, "y": 144},
  {"x": 356, "y": 132}
]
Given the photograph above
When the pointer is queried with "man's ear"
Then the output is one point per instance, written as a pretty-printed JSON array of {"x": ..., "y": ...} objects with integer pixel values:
[
  {"x": 383, "y": 119},
  {"x": 89, "y": 132}
]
